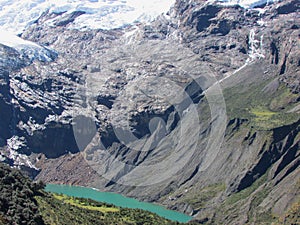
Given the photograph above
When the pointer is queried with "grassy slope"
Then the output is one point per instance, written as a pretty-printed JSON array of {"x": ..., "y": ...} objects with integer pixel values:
[
  {"x": 264, "y": 109},
  {"x": 60, "y": 209}
]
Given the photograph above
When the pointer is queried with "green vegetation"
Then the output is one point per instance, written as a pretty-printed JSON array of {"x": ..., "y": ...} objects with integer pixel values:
[
  {"x": 86, "y": 204},
  {"x": 251, "y": 196},
  {"x": 17, "y": 203},
  {"x": 264, "y": 110},
  {"x": 61, "y": 209},
  {"x": 283, "y": 98},
  {"x": 199, "y": 199},
  {"x": 25, "y": 202},
  {"x": 234, "y": 198}
]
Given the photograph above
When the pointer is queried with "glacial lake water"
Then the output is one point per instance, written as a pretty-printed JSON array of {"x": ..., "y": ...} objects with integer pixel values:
[{"x": 116, "y": 199}]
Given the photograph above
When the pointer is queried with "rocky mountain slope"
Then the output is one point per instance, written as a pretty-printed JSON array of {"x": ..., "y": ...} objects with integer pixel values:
[{"x": 198, "y": 110}]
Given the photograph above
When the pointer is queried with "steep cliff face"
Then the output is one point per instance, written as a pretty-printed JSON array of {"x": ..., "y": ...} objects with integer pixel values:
[{"x": 198, "y": 110}]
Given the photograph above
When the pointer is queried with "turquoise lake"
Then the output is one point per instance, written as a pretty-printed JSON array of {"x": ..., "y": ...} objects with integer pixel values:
[{"x": 116, "y": 199}]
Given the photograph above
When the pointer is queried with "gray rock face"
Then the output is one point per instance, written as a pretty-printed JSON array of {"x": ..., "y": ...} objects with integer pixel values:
[{"x": 189, "y": 111}]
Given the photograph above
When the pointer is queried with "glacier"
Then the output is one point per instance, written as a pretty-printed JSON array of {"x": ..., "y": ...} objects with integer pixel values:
[
  {"x": 27, "y": 49},
  {"x": 99, "y": 14}
]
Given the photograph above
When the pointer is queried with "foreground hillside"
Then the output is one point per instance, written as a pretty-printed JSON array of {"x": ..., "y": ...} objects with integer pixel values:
[{"x": 23, "y": 202}]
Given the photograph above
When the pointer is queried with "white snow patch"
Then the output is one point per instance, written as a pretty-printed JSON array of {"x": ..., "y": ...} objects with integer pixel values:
[
  {"x": 31, "y": 126},
  {"x": 261, "y": 22},
  {"x": 2, "y": 158},
  {"x": 130, "y": 36},
  {"x": 255, "y": 46},
  {"x": 247, "y": 4},
  {"x": 50, "y": 118},
  {"x": 15, "y": 142},
  {"x": 13, "y": 145},
  {"x": 25, "y": 48},
  {"x": 14, "y": 41}
]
